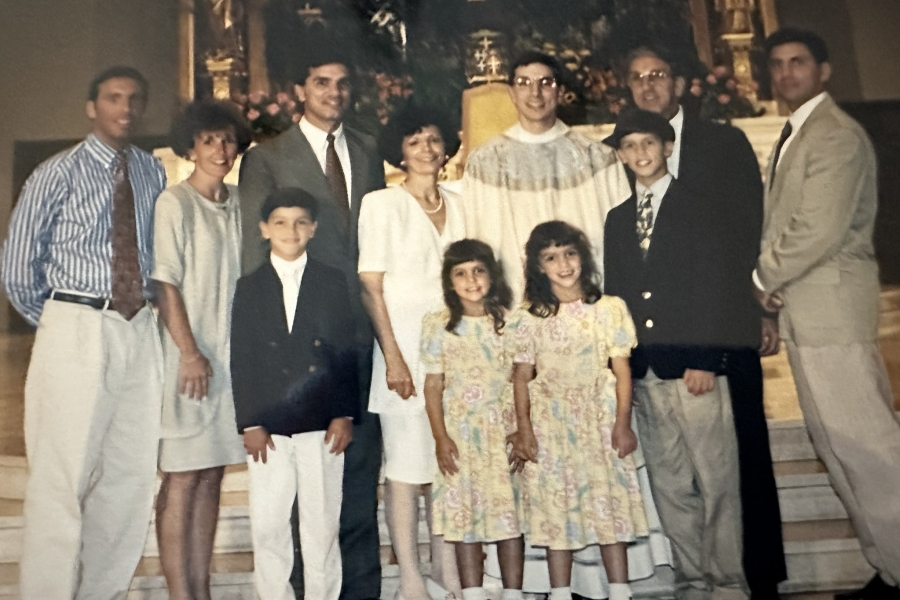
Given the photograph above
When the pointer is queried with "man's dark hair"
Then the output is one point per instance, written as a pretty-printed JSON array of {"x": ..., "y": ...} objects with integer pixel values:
[
  {"x": 208, "y": 115},
  {"x": 325, "y": 54},
  {"x": 787, "y": 35},
  {"x": 531, "y": 57},
  {"x": 114, "y": 73},
  {"x": 291, "y": 197},
  {"x": 412, "y": 119}
]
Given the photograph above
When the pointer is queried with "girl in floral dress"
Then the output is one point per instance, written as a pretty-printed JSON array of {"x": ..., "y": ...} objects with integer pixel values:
[
  {"x": 468, "y": 369},
  {"x": 572, "y": 392}
]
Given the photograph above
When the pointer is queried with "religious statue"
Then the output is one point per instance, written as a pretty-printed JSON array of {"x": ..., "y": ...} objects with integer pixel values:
[
  {"x": 737, "y": 15},
  {"x": 226, "y": 18}
]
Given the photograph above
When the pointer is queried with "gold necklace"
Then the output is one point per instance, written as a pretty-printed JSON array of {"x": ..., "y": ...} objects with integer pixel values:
[{"x": 425, "y": 210}]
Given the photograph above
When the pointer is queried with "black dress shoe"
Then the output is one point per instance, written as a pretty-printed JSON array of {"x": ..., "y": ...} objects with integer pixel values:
[
  {"x": 765, "y": 593},
  {"x": 876, "y": 589}
]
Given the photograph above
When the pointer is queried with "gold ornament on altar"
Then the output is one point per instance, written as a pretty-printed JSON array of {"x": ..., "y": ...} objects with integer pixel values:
[
  {"x": 738, "y": 36},
  {"x": 225, "y": 56},
  {"x": 310, "y": 15},
  {"x": 737, "y": 15},
  {"x": 485, "y": 61}
]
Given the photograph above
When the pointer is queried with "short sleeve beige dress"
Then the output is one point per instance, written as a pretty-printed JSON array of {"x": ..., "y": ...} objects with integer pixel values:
[
  {"x": 579, "y": 492},
  {"x": 196, "y": 248},
  {"x": 480, "y": 502}
]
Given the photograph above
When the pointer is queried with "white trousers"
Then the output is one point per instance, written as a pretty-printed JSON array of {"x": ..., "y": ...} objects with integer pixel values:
[
  {"x": 846, "y": 399},
  {"x": 300, "y": 467},
  {"x": 92, "y": 413}
]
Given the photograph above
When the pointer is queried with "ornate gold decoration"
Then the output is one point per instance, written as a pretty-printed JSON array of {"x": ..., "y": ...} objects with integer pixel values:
[
  {"x": 220, "y": 70},
  {"x": 310, "y": 14},
  {"x": 738, "y": 34},
  {"x": 740, "y": 45},
  {"x": 485, "y": 61},
  {"x": 737, "y": 15}
]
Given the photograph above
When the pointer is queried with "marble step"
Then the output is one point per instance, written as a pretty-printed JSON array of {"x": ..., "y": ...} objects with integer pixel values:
[
  {"x": 821, "y": 556},
  {"x": 788, "y": 440},
  {"x": 803, "y": 490}
]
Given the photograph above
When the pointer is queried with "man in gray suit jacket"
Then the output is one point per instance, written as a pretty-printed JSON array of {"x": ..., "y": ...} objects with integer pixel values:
[
  {"x": 338, "y": 166},
  {"x": 817, "y": 265}
]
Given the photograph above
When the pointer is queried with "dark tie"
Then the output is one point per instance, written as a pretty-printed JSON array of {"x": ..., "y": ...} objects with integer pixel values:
[
  {"x": 645, "y": 222},
  {"x": 785, "y": 134},
  {"x": 334, "y": 174},
  {"x": 127, "y": 284}
]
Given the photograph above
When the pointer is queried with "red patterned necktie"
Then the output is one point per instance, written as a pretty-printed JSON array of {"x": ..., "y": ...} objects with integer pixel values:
[
  {"x": 127, "y": 284},
  {"x": 334, "y": 174}
]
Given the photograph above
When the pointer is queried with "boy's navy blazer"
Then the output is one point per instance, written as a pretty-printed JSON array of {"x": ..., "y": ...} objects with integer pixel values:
[
  {"x": 675, "y": 296},
  {"x": 293, "y": 382}
]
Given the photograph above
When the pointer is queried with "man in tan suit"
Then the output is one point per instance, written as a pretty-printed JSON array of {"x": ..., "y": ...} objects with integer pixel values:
[{"x": 817, "y": 265}]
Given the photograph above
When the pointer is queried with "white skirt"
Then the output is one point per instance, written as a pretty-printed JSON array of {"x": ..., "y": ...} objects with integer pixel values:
[{"x": 409, "y": 454}]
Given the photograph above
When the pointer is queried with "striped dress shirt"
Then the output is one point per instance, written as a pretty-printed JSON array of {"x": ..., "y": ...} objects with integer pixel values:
[{"x": 59, "y": 233}]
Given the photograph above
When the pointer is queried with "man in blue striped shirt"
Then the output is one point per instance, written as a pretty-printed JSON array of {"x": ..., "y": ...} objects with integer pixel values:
[{"x": 93, "y": 392}]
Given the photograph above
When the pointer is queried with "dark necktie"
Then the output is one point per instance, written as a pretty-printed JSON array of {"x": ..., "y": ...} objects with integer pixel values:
[
  {"x": 127, "y": 284},
  {"x": 645, "y": 222},
  {"x": 334, "y": 174},
  {"x": 785, "y": 134}
]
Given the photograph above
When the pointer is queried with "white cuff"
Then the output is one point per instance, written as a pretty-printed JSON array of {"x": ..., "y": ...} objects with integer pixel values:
[{"x": 757, "y": 282}]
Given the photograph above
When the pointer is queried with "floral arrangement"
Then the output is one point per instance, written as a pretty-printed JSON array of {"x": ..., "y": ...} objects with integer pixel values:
[
  {"x": 268, "y": 115},
  {"x": 376, "y": 96},
  {"x": 374, "y": 101},
  {"x": 718, "y": 98}
]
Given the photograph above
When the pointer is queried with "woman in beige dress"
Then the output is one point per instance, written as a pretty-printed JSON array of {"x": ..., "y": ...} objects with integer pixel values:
[{"x": 196, "y": 265}]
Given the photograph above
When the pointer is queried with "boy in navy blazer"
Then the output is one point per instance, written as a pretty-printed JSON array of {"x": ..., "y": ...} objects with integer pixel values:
[
  {"x": 662, "y": 254},
  {"x": 294, "y": 377}
]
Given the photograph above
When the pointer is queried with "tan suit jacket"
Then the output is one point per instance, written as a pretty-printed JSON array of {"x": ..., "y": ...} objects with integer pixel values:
[{"x": 817, "y": 246}]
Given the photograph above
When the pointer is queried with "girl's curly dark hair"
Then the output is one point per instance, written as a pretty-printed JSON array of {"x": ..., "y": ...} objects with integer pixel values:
[
  {"x": 538, "y": 291},
  {"x": 499, "y": 296}
]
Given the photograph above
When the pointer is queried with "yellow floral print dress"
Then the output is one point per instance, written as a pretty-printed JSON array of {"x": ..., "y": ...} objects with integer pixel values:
[
  {"x": 479, "y": 503},
  {"x": 579, "y": 492}
]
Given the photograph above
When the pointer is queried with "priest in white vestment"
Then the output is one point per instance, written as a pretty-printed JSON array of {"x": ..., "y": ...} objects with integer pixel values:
[{"x": 541, "y": 170}]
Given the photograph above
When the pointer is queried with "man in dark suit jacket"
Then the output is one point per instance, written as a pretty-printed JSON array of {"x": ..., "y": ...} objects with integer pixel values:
[
  {"x": 718, "y": 161},
  {"x": 338, "y": 166},
  {"x": 662, "y": 255}
]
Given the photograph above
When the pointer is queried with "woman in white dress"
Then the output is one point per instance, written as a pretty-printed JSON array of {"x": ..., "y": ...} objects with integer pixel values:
[
  {"x": 197, "y": 249},
  {"x": 403, "y": 231}
]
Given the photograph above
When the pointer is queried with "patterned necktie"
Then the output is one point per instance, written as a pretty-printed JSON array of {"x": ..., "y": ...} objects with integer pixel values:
[
  {"x": 127, "y": 284},
  {"x": 645, "y": 222},
  {"x": 785, "y": 134},
  {"x": 334, "y": 174}
]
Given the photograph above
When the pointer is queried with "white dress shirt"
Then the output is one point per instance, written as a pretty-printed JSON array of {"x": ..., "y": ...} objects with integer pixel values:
[
  {"x": 657, "y": 188},
  {"x": 318, "y": 139},
  {"x": 290, "y": 272},
  {"x": 677, "y": 123},
  {"x": 798, "y": 118}
]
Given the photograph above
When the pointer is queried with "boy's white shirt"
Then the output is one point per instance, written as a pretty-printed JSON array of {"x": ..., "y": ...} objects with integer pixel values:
[{"x": 290, "y": 272}]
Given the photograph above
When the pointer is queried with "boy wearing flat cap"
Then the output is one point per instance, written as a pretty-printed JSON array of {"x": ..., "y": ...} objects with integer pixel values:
[{"x": 664, "y": 256}]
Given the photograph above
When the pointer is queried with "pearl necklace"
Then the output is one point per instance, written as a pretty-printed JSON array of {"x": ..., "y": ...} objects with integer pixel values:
[{"x": 425, "y": 210}]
